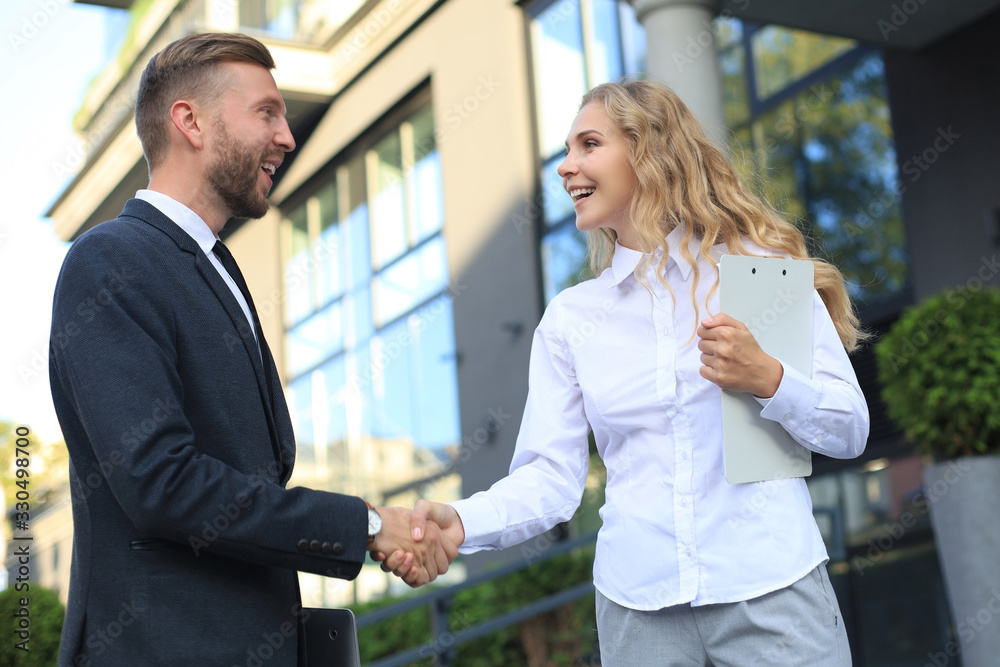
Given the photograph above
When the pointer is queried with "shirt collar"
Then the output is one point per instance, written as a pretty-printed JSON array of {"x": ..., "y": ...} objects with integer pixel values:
[
  {"x": 625, "y": 259},
  {"x": 183, "y": 217}
]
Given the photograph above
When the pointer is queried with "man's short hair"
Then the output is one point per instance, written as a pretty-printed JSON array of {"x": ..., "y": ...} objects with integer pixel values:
[{"x": 187, "y": 69}]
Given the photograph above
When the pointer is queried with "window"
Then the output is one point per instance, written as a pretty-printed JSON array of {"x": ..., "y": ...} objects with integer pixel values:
[
  {"x": 294, "y": 20},
  {"x": 576, "y": 45},
  {"x": 370, "y": 349},
  {"x": 811, "y": 113}
]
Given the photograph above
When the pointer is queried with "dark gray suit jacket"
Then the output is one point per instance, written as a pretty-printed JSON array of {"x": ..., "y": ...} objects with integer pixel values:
[{"x": 186, "y": 540}]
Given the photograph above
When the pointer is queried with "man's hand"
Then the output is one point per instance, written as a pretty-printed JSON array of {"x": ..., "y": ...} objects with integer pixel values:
[
  {"x": 417, "y": 562},
  {"x": 426, "y": 519},
  {"x": 733, "y": 359}
]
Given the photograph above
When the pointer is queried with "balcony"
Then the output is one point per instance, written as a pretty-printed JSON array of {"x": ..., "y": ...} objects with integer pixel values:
[{"x": 319, "y": 46}]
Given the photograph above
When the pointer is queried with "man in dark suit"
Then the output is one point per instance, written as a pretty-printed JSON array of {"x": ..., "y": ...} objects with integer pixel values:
[{"x": 186, "y": 540}]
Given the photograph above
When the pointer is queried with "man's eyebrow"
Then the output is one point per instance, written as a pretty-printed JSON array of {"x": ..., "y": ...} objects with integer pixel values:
[
  {"x": 275, "y": 101},
  {"x": 583, "y": 133}
]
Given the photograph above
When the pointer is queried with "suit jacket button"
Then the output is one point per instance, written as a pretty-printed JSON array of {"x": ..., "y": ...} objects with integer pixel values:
[
  {"x": 338, "y": 549},
  {"x": 315, "y": 546},
  {"x": 303, "y": 545},
  {"x": 327, "y": 547}
]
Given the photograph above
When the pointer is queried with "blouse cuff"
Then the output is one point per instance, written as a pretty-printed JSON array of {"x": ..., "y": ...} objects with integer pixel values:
[{"x": 483, "y": 525}]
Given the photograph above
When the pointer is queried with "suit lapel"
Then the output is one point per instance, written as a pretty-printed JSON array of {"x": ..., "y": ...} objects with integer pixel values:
[{"x": 242, "y": 336}]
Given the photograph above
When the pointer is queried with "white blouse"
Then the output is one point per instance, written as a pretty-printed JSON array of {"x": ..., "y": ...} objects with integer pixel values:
[{"x": 610, "y": 358}]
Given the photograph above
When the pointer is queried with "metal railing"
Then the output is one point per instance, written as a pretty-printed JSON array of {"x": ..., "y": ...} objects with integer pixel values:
[{"x": 444, "y": 641}]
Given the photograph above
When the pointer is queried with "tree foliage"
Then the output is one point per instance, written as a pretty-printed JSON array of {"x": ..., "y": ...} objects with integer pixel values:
[
  {"x": 565, "y": 636},
  {"x": 49, "y": 468},
  {"x": 45, "y": 620},
  {"x": 939, "y": 366}
]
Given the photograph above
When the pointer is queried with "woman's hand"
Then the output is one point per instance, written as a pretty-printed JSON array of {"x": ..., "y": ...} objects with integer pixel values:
[{"x": 733, "y": 359}]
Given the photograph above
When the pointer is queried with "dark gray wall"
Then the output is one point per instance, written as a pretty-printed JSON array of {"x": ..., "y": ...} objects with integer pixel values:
[
  {"x": 497, "y": 307},
  {"x": 945, "y": 101}
]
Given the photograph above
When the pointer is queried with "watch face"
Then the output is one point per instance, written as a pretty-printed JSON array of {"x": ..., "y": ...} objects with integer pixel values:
[{"x": 374, "y": 522}]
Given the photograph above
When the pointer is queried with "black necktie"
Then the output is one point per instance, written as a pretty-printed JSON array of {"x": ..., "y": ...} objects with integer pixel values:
[{"x": 229, "y": 263}]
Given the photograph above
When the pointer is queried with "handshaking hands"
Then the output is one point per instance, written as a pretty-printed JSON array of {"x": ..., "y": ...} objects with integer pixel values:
[{"x": 421, "y": 543}]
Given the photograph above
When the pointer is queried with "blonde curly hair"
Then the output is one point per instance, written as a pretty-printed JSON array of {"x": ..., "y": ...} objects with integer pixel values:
[{"x": 683, "y": 179}]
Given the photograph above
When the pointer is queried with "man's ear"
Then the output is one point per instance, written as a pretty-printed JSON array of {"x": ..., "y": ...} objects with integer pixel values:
[{"x": 190, "y": 122}]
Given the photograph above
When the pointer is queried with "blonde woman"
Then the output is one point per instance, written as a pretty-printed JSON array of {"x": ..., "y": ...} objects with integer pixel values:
[{"x": 689, "y": 569}]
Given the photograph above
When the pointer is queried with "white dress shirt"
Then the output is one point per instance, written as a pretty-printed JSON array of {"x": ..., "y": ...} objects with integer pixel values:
[
  {"x": 610, "y": 357},
  {"x": 198, "y": 229}
]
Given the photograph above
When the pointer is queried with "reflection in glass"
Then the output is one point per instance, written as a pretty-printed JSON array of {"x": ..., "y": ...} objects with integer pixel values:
[
  {"x": 728, "y": 31},
  {"x": 829, "y": 156},
  {"x": 633, "y": 40},
  {"x": 564, "y": 260},
  {"x": 605, "y": 60},
  {"x": 410, "y": 281},
  {"x": 298, "y": 395},
  {"x": 560, "y": 72},
  {"x": 329, "y": 419},
  {"x": 359, "y": 268},
  {"x": 298, "y": 279},
  {"x": 388, "y": 215},
  {"x": 358, "y": 324},
  {"x": 393, "y": 409},
  {"x": 414, "y": 389},
  {"x": 315, "y": 339},
  {"x": 374, "y": 395},
  {"x": 556, "y": 202},
  {"x": 732, "y": 71},
  {"x": 326, "y": 248},
  {"x": 782, "y": 55},
  {"x": 432, "y": 327},
  {"x": 425, "y": 184}
]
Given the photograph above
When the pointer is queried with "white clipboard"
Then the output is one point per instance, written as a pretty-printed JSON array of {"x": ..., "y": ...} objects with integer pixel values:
[{"x": 773, "y": 297}]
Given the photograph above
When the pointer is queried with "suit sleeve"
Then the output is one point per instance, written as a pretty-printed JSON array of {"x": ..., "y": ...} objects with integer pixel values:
[{"x": 116, "y": 374}]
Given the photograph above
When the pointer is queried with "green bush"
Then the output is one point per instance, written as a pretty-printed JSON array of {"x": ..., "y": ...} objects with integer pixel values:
[
  {"x": 46, "y": 614},
  {"x": 564, "y": 636},
  {"x": 939, "y": 366}
]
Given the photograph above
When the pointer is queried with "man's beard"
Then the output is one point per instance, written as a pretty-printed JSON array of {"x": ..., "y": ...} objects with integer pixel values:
[{"x": 234, "y": 173}]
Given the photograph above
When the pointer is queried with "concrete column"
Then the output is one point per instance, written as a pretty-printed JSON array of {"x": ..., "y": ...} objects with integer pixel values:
[{"x": 680, "y": 52}]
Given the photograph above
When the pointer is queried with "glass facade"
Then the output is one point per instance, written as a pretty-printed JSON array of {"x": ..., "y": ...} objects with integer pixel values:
[
  {"x": 576, "y": 45},
  {"x": 370, "y": 346},
  {"x": 811, "y": 113},
  {"x": 293, "y": 20}
]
